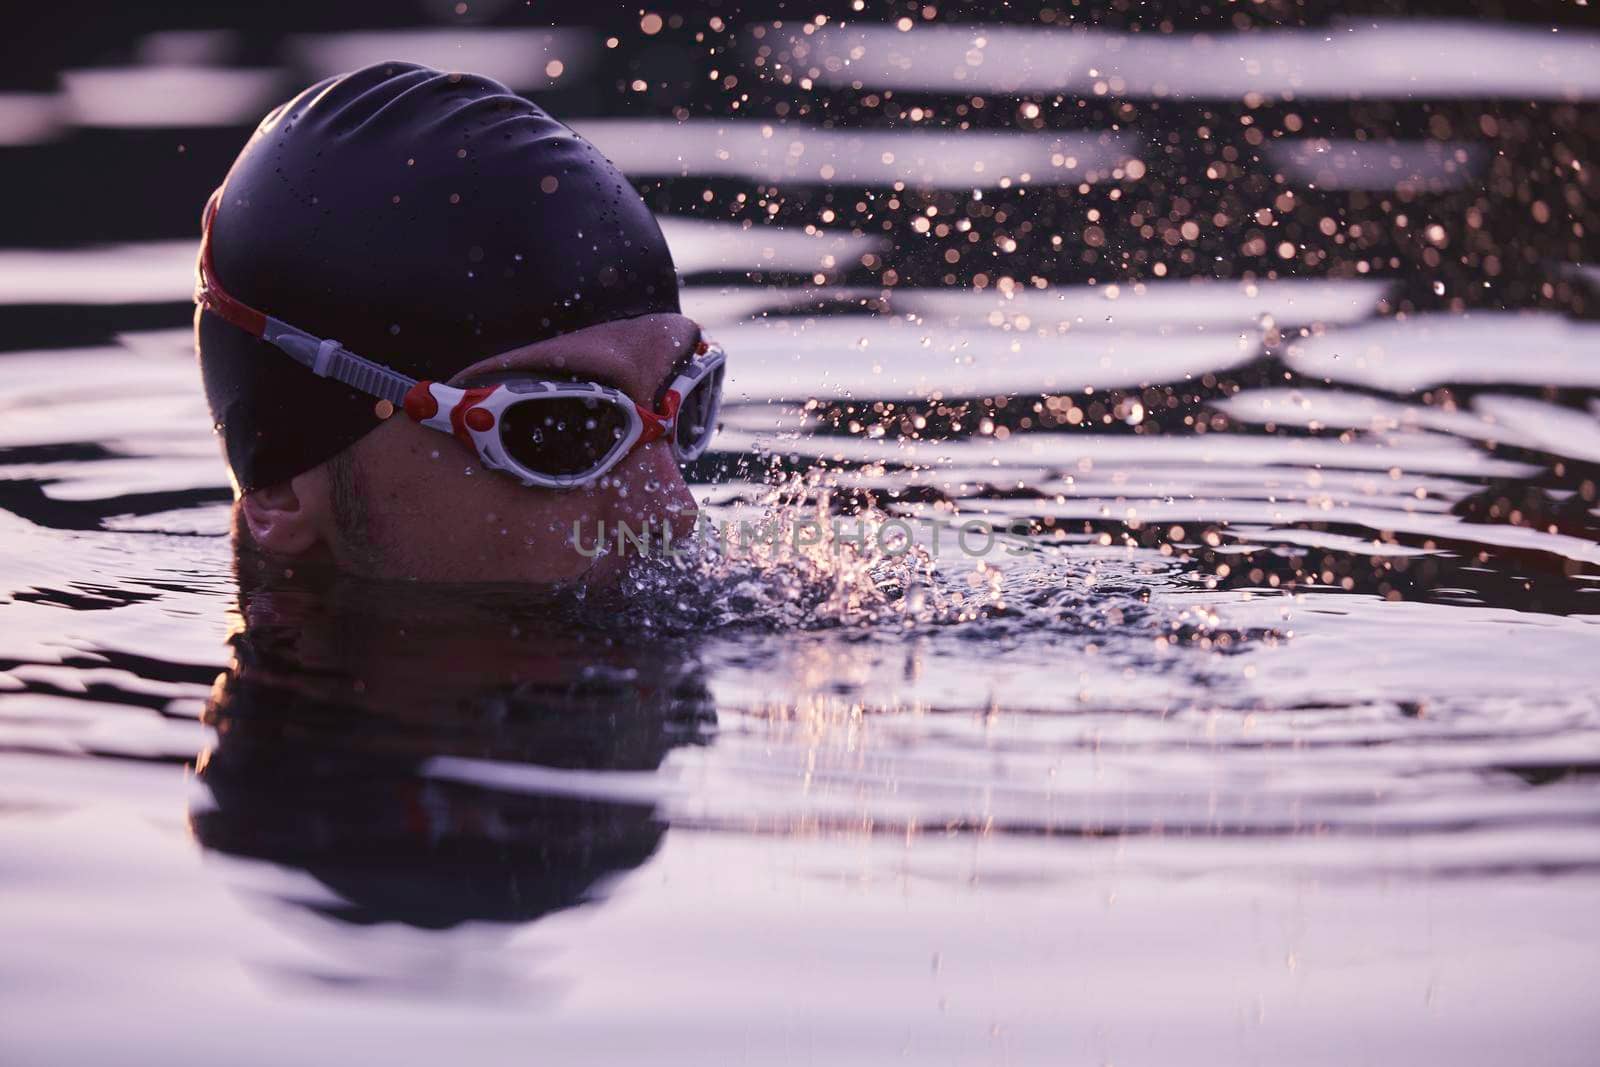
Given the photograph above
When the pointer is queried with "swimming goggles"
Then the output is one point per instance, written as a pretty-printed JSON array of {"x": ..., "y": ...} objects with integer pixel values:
[{"x": 550, "y": 433}]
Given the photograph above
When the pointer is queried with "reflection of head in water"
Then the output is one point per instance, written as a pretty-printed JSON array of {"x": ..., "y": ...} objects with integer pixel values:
[
  {"x": 342, "y": 705},
  {"x": 442, "y": 226}
]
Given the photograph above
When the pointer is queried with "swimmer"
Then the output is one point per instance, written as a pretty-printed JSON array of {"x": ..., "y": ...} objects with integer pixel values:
[{"x": 440, "y": 337}]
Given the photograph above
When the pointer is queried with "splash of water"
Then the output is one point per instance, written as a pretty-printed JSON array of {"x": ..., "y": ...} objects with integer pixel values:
[
  {"x": 793, "y": 567},
  {"x": 863, "y": 575}
]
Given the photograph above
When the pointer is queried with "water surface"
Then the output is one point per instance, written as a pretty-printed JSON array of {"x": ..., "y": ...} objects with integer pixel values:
[{"x": 1268, "y": 732}]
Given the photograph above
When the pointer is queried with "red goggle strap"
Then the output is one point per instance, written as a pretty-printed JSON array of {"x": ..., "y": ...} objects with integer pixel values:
[
  {"x": 209, "y": 293},
  {"x": 326, "y": 358}
]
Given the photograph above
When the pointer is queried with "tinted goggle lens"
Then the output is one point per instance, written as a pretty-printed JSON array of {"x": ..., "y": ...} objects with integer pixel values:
[
  {"x": 562, "y": 436},
  {"x": 697, "y": 414}
]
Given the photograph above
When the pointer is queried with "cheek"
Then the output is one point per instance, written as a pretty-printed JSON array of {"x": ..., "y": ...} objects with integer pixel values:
[{"x": 437, "y": 515}]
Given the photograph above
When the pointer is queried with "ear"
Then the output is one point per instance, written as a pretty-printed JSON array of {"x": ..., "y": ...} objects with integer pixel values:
[{"x": 282, "y": 518}]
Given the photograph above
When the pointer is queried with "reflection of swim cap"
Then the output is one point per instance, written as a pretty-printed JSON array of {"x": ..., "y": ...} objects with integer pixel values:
[{"x": 425, "y": 220}]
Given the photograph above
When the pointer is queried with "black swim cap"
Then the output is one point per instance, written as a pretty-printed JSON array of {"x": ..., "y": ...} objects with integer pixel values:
[{"x": 424, "y": 220}]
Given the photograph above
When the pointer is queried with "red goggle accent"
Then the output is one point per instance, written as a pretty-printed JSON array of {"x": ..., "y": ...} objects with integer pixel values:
[
  {"x": 466, "y": 415},
  {"x": 209, "y": 292},
  {"x": 657, "y": 423},
  {"x": 419, "y": 402}
]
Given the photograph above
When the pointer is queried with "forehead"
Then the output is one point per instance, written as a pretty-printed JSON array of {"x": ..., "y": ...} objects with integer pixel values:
[{"x": 633, "y": 354}]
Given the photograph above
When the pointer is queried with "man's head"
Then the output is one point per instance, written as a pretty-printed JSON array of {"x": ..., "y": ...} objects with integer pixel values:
[
  {"x": 406, "y": 501},
  {"x": 439, "y": 225}
]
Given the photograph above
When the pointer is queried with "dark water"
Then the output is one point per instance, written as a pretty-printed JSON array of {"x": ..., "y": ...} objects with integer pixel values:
[{"x": 1267, "y": 732}]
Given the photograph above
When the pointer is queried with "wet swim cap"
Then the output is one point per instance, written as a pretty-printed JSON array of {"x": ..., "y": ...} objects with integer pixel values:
[{"x": 424, "y": 220}]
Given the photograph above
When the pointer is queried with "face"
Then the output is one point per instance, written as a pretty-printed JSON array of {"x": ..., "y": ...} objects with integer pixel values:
[{"x": 427, "y": 510}]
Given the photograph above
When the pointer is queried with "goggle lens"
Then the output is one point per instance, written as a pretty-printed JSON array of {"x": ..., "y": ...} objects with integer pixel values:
[
  {"x": 562, "y": 436},
  {"x": 697, "y": 414}
]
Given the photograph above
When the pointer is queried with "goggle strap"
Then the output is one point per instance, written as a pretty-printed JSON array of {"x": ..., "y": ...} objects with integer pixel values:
[{"x": 330, "y": 359}]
